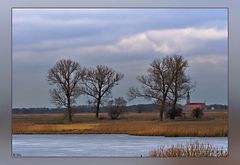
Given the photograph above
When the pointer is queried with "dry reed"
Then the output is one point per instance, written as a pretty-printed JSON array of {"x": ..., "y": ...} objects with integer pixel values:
[
  {"x": 191, "y": 149},
  {"x": 134, "y": 124}
]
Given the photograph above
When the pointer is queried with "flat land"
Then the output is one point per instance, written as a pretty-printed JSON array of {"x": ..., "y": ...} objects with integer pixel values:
[{"x": 211, "y": 124}]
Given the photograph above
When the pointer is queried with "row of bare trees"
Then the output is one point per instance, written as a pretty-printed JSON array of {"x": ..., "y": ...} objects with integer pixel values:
[
  {"x": 165, "y": 81},
  {"x": 70, "y": 80}
]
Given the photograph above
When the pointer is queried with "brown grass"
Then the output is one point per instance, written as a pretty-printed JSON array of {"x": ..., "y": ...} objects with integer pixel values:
[
  {"x": 191, "y": 149},
  {"x": 133, "y": 124}
]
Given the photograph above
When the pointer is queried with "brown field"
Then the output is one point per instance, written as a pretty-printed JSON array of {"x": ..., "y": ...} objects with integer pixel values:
[{"x": 212, "y": 124}]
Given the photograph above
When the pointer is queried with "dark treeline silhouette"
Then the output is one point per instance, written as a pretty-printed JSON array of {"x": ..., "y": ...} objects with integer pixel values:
[
  {"x": 217, "y": 107},
  {"x": 83, "y": 109},
  {"x": 139, "y": 108}
]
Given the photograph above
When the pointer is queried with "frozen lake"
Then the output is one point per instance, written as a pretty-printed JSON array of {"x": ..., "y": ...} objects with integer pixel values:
[{"x": 100, "y": 145}]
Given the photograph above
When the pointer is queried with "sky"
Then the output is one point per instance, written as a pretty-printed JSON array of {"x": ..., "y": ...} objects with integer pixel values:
[{"x": 127, "y": 40}]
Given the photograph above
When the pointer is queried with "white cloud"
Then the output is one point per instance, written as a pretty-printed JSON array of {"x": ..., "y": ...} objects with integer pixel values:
[
  {"x": 166, "y": 41},
  {"x": 170, "y": 41}
]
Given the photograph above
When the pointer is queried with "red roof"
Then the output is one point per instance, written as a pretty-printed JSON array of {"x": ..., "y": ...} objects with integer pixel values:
[{"x": 192, "y": 106}]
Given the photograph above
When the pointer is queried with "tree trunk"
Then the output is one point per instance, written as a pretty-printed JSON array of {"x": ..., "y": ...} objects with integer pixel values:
[
  {"x": 97, "y": 111},
  {"x": 174, "y": 109},
  {"x": 69, "y": 109},
  {"x": 161, "y": 115},
  {"x": 161, "y": 111},
  {"x": 162, "y": 107},
  {"x": 97, "y": 108},
  {"x": 70, "y": 114},
  {"x": 175, "y": 95}
]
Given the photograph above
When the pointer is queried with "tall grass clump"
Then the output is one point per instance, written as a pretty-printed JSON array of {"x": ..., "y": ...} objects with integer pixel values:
[{"x": 191, "y": 149}]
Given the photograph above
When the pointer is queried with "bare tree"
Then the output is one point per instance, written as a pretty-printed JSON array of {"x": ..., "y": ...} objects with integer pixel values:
[
  {"x": 156, "y": 84},
  {"x": 98, "y": 83},
  {"x": 181, "y": 82},
  {"x": 65, "y": 75},
  {"x": 117, "y": 107}
]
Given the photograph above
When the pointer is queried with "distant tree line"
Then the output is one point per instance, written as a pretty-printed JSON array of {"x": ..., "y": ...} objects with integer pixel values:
[
  {"x": 139, "y": 108},
  {"x": 85, "y": 109}
]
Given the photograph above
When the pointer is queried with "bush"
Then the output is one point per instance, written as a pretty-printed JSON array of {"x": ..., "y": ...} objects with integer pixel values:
[
  {"x": 197, "y": 113},
  {"x": 172, "y": 113},
  {"x": 191, "y": 149},
  {"x": 117, "y": 107}
]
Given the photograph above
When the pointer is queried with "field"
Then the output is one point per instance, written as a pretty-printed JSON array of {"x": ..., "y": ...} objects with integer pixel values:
[{"x": 211, "y": 124}]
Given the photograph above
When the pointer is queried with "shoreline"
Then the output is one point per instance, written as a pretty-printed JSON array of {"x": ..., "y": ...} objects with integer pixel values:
[{"x": 108, "y": 134}]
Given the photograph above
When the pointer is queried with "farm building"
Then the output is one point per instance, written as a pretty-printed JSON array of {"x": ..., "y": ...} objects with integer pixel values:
[{"x": 191, "y": 106}]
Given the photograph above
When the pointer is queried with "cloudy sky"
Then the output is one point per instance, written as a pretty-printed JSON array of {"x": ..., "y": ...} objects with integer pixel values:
[{"x": 124, "y": 39}]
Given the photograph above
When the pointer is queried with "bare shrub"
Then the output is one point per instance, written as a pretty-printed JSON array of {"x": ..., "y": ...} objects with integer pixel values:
[
  {"x": 117, "y": 107},
  {"x": 197, "y": 113}
]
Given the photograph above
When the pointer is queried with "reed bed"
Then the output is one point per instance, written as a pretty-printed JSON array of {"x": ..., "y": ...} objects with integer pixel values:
[
  {"x": 165, "y": 129},
  {"x": 24, "y": 128},
  {"x": 191, "y": 149},
  {"x": 130, "y": 126}
]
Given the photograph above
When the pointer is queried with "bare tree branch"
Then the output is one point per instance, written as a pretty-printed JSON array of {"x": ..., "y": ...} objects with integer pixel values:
[
  {"x": 98, "y": 83},
  {"x": 165, "y": 82}
]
